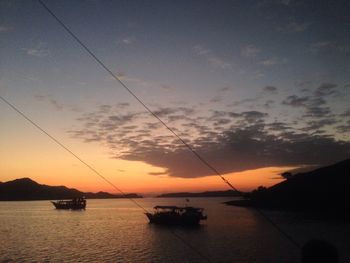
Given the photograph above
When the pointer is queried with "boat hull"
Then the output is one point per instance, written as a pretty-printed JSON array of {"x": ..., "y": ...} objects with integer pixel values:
[
  {"x": 172, "y": 219},
  {"x": 69, "y": 205}
]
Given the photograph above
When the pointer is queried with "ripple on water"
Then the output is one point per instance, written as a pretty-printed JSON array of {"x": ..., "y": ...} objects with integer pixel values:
[{"x": 116, "y": 231}]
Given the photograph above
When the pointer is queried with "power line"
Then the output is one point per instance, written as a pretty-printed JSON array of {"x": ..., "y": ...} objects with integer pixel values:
[
  {"x": 71, "y": 152},
  {"x": 190, "y": 246},
  {"x": 279, "y": 229},
  {"x": 200, "y": 158},
  {"x": 135, "y": 96}
]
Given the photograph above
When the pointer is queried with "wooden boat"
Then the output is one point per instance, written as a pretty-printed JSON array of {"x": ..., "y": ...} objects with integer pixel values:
[
  {"x": 174, "y": 215},
  {"x": 74, "y": 204}
]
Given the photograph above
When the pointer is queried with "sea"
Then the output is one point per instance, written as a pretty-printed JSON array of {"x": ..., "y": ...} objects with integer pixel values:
[{"x": 115, "y": 230}]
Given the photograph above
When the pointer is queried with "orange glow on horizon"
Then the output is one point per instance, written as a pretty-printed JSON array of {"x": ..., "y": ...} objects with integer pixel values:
[
  {"x": 36, "y": 157},
  {"x": 135, "y": 177}
]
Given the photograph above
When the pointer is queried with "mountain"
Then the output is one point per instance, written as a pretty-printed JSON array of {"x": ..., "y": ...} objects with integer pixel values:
[
  {"x": 26, "y": 189},
  {"x": 105, "y": 195},
  {"x": 202, "y": 194},
  {"x": 323, "y": 189}
]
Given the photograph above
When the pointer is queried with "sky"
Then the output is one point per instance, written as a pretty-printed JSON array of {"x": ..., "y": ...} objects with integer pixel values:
[{"x": 255, "y": 87}]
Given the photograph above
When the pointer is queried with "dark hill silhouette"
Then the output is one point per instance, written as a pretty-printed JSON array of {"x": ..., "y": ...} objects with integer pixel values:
[
  {"x": 323, "y": 189},
  {"x": 202, "y": 194},
  {"x": 26, "y": 189}
]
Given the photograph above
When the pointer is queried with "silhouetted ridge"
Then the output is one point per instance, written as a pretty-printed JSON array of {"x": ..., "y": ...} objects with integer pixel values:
[
  {"x": 27, "y": 189},
  {"x": 22, "y": 181},
  {"x": 325, "y": 188},
  {"x": 202, "y": 194}
]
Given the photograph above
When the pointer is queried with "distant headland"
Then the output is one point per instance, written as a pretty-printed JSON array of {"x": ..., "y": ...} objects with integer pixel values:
[
  {"x": 25, "y": 189},
  {"x": 323, "y": 189},
  {"x": 228, "y": 193}
]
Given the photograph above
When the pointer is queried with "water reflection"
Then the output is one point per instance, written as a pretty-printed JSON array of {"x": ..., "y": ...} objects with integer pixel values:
[{"x": 115, "y": 231}]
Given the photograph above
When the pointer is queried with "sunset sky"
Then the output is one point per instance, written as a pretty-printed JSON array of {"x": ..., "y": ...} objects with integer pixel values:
[{"x": 256, "y": 87}]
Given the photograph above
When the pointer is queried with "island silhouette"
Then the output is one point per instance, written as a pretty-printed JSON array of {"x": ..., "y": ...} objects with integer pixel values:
[
  {"x": 323, "y": 189},
  {"x": 25, "y": 189},
  {"x": 228, "y": 193}
]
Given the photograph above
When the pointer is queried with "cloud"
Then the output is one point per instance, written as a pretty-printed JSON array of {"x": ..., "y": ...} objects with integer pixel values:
[
  {"x": 326, "y": 45},
  {"x": 237, "y": 139},
  {"x": 166, "y": 87},
  {"x": 142, "y": 82},
  {"x": 126, "y": 41},
  {"x": 245, "y": 101},
  {"x": 286, "y": 2},
  {"x": 201, "y": 51},
  {"x": 303, "y": 84},
  {"x": 216, "y": 99},
  {"x": 268, "y": 3},
  {"x": 344, "y": 128},
  {"x": 40, "y": 50},
  {"x": 266, "y": 92},
  {"x": 277, "y": 127},
  {"x": 136, "y": 80},
  {"x": 123, "y": 104},
  {"x": 294, "y": 27},
  {"x": 268, "y": 104},
  {"x": 53, "y": 102},
  {"x": 162, "y": 112},
  {"x": 252, "y": 116},
  {"x": 346, "y": 113},
  {"x": 219, "y": 62},
  {"x": 326, "y": 89},
  {"x": 258, "y": 74},
  {"x": 214, "y": 60},
  {"x": 320, "y": 45},
  {"x": 270, "y": 89},
  {"x": 167, "y": 111},
  {"x": 317, "y": 113},
  {"x": 157, "y": 173},
  {"x": 109, "y": 122},
  {"x": 318, "y": 124},
  {"x": 250, "y": 51},
  {"x": 273, "y": 61},
  {"x": 314, "y": 106},
  {"x": 247, "y": 116},
  {"x": 224, "y": 89},
  {"x": 242, "y": 149},
  {"x": 4, "y": 28},
  {"x": 296, "y": 101}
]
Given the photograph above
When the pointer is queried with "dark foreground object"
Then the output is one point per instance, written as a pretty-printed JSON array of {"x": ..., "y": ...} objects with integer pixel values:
[
  {"x": 319, "y": 251},
  {"x": 174, "y": 215},
  {"x": 322, "y": 190},
  {"x": 74, "y": 204}
]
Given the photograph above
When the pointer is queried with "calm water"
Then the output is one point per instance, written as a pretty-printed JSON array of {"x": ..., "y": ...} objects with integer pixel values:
[{"x": 116, "y": 231}]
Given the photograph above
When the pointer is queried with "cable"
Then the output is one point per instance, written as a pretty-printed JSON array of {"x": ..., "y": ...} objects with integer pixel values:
[
  {"x": 280, "y": 230},
  {"x": 189, "y": 245},
  {"x": 71, "y": 152},
  {"x": 98, "y": 173},
  {"x": 158, "y": 118},
  {"x": 135, "y": 96}
]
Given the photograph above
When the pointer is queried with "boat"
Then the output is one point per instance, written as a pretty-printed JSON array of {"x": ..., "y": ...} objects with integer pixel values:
[
  {"x": 175, "y": 215},
  {"x": 74, "y": 204}
]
